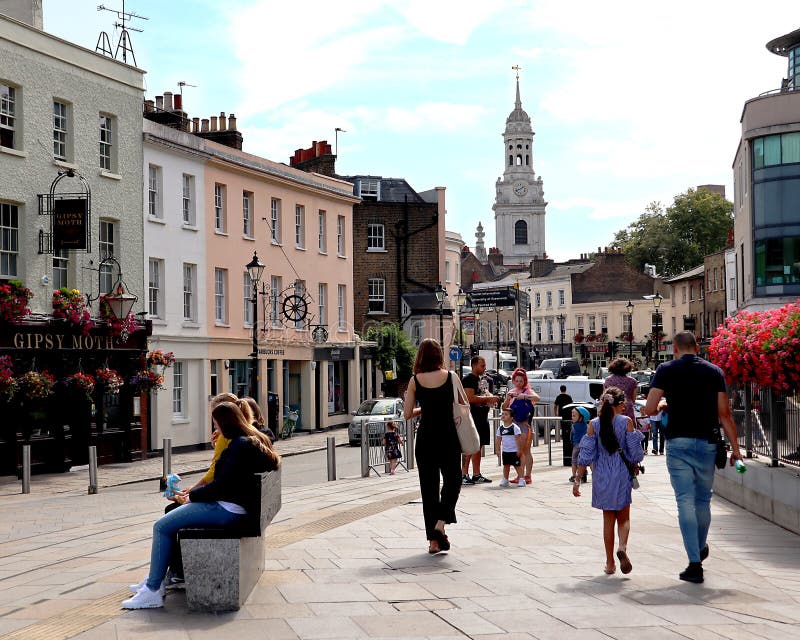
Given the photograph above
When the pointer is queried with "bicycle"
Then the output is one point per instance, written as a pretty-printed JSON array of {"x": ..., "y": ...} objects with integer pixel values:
[{"x": 289, "y": 423}]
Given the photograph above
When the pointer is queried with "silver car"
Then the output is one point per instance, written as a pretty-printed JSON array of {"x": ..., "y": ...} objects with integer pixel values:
[{"x": 375, "y": 413}]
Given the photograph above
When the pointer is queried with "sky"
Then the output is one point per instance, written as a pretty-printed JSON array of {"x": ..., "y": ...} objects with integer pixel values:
[{"x": 631, "y": 102}]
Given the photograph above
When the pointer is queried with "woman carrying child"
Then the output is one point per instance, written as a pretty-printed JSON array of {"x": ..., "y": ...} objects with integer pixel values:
[
  {"x": 520, "y": 399},
  {"x": 612, "y": 445}
]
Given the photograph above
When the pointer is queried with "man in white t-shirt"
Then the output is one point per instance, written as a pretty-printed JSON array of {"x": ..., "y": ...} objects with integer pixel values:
[{"x": 510, "y": 442}]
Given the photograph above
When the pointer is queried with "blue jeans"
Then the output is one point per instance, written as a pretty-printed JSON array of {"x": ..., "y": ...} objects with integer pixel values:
[
  {"x": 165, "y": 533},
  {"x": 690, "y": 462},
  {"x": 657, "y": 429}
]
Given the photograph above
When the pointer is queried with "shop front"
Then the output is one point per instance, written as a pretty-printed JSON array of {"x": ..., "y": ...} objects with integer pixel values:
[{"x": 65, "y": 388}]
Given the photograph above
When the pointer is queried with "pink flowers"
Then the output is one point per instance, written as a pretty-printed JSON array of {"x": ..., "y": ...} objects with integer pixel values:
[
  {"x": 14, "y": 298},
  {"x": 109, "y": 380},
  {"x": 160, "y": 358},
  {"x": 70, "y": 305},
  {"x": 760, "y": 347}
]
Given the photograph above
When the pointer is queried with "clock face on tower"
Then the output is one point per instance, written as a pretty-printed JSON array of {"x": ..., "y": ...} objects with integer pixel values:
[{"x": 520, "y": 188}]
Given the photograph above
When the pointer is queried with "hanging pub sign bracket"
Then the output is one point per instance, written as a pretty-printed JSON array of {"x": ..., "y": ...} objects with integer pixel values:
[{"x": 70, "y": 217}]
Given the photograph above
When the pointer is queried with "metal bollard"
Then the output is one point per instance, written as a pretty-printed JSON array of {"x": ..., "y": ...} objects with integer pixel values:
[
  {"x": 26, "y": 468},
  {"x": 364, "y": 450},
  {"x": 92, "y": 470},
  {"x": 167, "y": 463},
  {"x": 331, "y": 458}
]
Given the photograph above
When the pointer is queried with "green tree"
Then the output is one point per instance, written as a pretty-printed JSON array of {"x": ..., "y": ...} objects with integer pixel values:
[
  {"x": 393, "y": 344},
  {"x": 676, "y": 239}
]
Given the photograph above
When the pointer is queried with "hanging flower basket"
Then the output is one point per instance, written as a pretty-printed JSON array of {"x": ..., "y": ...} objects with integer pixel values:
[
  {"x": 70, "y": 304},
  {"x": 81, "y": 382},
  {"x": 8, "y": 383},
  {"x": 147, "y": 381},
  {"x": 122, "y": 328},
  {"x": 33, "y": 385},
  {"x": 626, "y": 336},
  {"x": 579, "y": 337},
  {"x": 159, "y": 358},
  {"x": 14, "y": 298},
  {"x": 108, "y": 380}
]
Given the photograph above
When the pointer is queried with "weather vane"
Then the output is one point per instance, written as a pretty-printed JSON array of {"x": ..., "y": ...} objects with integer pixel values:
[{"x": 516, "y": 68}]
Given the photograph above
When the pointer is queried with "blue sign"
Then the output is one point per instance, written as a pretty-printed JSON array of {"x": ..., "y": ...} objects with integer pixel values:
[{"x": 455, "y": 354}]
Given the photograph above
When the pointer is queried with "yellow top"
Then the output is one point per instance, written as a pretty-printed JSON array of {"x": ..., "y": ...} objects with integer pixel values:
[{"x": 219, "y": 447}]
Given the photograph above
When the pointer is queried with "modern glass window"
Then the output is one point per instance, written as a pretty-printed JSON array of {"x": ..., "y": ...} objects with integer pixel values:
[
  {"x": 549, "y": 297},
  {"x": 275, "y": 287},
  {"x": 220, "y": 224},
  {"x": 8, "y": 116},
  {"x": 60, "y": 131},
  {"x": 299, "y": 226},
  {"x": 794, "y": 69},
  {"x": 106, "y": 142},
  {"x": 340, "y": 303},
  {"x": 189, "y": 288},
  {"x": 220, "y": 295},
  {"x": 107, "y": 249},
  {"x": 178, "y": 405},
  {"x": 247, "y": 214},
  {"x": 247, "y": 304},
  {"x": 60, "y": 268},
  {"x": 562, "y": 299},
  {"x": 775, "y": 150},
  {"x": 377, "y": 295},
  {"x": 375, "y": 237},
  {"x": 275, "y": 220},
  {"x": 777, "y": 261},
  {"x": 9, "y": 239},
  {"x": 154, "y": 193},
  {"x": 154, "y": 288},
  {"x": 188, "y": 201},
  {"x": 322, "y": 301},
  {"x": 322, "y": 231},
  {"x": 520, "y": 232},
  {"x": 340, "y": 235}
]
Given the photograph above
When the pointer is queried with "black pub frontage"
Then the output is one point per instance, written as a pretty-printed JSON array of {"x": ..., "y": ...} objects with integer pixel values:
[{"x": 66, "y": 388}]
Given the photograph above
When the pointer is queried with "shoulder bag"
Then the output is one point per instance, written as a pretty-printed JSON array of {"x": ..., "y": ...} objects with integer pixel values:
[
  {"x": 462, "y": 417},
  {"x": 633, "y": 469}
]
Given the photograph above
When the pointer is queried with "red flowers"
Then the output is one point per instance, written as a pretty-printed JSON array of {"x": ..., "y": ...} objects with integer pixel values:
[
  {"x": 14, "y": 298},
  {"x": 70, "y": 304}
]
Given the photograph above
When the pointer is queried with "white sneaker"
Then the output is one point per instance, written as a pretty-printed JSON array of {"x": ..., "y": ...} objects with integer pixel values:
[
  {"x": 145, "y": 599},
  {"x": 521, "y": 482},
  {"x": 504, "y": 482},
  {"x": 136, "y": 588}
]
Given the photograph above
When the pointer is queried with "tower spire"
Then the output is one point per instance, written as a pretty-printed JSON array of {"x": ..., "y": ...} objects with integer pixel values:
[{"x": 518, "y": 103}]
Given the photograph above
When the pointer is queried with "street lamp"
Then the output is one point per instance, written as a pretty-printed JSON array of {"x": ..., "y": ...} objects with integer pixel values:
[
  {"x": 629, "y": 309},
  {"x": 255, "y": 270},
  {"x": 657, "y": 304},
  {"x": 461, "y": 301},
  {"x": 441, "y": 294},
  {"x": 561, "y": 318},
  {"x": 497, "y": 335}
]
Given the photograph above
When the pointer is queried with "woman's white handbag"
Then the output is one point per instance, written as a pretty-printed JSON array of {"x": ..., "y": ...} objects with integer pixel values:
[{"x": 462, "y": 417}]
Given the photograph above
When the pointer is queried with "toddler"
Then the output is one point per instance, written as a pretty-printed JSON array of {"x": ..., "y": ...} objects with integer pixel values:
[
  {"x": 580, "y": 423},
  {"x": 509, "y": 437},
  {"x": 392, "y": 441}
]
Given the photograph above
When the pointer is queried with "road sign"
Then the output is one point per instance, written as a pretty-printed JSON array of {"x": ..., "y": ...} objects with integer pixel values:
[{"x": 455, "y": 354}]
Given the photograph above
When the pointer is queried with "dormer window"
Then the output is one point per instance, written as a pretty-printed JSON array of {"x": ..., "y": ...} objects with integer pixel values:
[{"x": 369, "y": 188}]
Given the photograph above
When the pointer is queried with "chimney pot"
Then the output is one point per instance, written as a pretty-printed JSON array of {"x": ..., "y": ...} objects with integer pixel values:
[
  {"x": 223, "y": 126},
  {"x": 168, "y": 100},
  {"x": 213, "y": 123},
  {"x": 159, "y": 102},
  {"x": 204, "y": 128},
  {"x": 148, "y": 106},
  {"x": 195, "y": 125},
  {"x": 178, "y": 101},
  {"x": 231, "y": 122}
]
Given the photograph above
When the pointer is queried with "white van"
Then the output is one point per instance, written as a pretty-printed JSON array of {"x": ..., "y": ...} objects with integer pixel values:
[{"x": 580, "y": 389}]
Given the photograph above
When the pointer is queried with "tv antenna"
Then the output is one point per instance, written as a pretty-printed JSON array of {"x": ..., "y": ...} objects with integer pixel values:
[
  {"x": 124, "y": 44},
  {"x": 183, "y": 83}
]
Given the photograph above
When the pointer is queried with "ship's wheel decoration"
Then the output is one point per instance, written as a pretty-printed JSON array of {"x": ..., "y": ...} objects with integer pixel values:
[{"x": 295, "y": 308}]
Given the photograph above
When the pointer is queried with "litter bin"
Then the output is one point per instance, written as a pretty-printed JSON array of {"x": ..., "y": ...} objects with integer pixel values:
[
  {"x": 272, "y": 411},
  {"x": 566, "y": 427}
]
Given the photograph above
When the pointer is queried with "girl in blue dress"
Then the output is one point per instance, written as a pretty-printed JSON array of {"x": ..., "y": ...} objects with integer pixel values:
[{"x": 608, "y": 438}]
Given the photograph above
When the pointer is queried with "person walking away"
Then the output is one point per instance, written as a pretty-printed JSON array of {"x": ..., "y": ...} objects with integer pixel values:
[
  {"x": 438, "y": 450},
  {"x": 509, "y": 442},
  {"x": 521, "y": 399},
  {"x": 580, "y": 423},
  {"x": 561, "y": 401},
  {"x": 392, "y": 441},
  {"x": 618, "y": 369},
  {"x": 698, "y": 404},
  {"x": 476, "y": 386},
  {"x": 608, "y": 438},
  {"x": 658, "y": 432}
]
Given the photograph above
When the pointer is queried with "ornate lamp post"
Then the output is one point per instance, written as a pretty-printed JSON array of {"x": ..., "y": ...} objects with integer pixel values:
[
  {"x": 629, "y": 309},
  {"x": 255, "y": 269},
  {"x": 461, "y": 301},
  {"x": 477, "y": 335},
  {"x": 441, "y": 294}
]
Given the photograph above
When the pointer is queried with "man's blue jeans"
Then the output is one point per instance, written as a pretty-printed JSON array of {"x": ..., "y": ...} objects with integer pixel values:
[
  {"x": 690, "y": 462},
  {"x": 165, "y": 533},
  {"x": 657, "y": 429}
]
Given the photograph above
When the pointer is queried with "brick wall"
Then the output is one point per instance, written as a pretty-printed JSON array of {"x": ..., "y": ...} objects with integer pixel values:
[{"x": 611, "y": 278}]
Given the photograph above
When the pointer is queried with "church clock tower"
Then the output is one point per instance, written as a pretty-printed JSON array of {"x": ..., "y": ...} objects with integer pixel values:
[{"x": 519, "y": 206}]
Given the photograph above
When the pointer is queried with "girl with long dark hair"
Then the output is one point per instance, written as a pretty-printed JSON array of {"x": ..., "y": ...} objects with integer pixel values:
[{"x": 608, "y": 438}]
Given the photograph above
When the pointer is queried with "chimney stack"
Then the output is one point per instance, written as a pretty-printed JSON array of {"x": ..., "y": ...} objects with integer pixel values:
[
  {"x": 231, "y": 122},
  {"x": 160, "y": 103},
  {"x": 195, "y": 125},
  {"x": 213, "y": 123},
  {"x": 168, "y": 100},
  {"x": 178, "y": 100},
  {"x": 204, "y": 128},
  {"x": 223, "y": 126}
]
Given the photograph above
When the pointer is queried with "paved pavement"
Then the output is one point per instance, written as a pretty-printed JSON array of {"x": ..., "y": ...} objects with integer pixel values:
[{"x": 347, "y": 559}]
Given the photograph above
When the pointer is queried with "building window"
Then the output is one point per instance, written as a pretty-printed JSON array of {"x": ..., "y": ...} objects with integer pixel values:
[
  {"x": 219, "y": 208},
  {"x": 300, "y": 291},
  {"x": 732, "y": 289},
  {"x": 337, "y": 387},
  {"x": 375, "y": 237},
  {"x": 154, "y": 177},
  {"x": 299, "y": 226},
  {"x": 538, "y": 331},
  {"x": 550, "y": 335},
  {"x": 9, "y": 239},
  {"x": 187, "y": 200},
  {"x": 368, "y": 188},
  {"x": 189, "y": 287},
  {"x": 377, "y": 295},
  {"x": 683, "y": 294},
  {"x": 603, "y": 323},
  {"x": 776, "y": 260},
  {"x": 701, "y": 291},
  {"x": 520, "y": 232},
  {"x": 592, "y": 323},
  {"x": 537, "y": 299},
  {"x": 60, "y": 267},
  {"x": 177, "y": 390},
  {"x": 106, "y": 142},
  {"x": 510, "y": 330},
  {"x": 579, "y": 323},
  {"x": 340, "y": 235},
  {"x": 549, "y": 297},
  {"x": 154, "y": 288},
  {"x": 562, "y": 299},
  {"x": 322, "y": 300},
  {"x": 691, "y": 292},
  {"x": 247, "y": 214},
  {"x": 213, "y": 381},
  {"x": 777, "y": 149},
  {"x": 220, "y": 298},
  {"x": 627, "y": 321},
  {"x": 59, "y": 130},
  {"x": 322, "y": 231},
  {"x": 275, "y": 286},
  {"x": 107, "y": 249},
  {"x": 447, "y": 271},
  {"x": 247, "y": 305},
  {"x": 340, "y": 303},
  {"x": 275, "y": 220},
  {"x": 8, "y": 116}
]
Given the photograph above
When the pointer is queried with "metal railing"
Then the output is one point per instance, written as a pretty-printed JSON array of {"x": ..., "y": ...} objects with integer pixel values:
[
  {"x": 768, "y": 423},
  {"x": 373, "y": 452}
]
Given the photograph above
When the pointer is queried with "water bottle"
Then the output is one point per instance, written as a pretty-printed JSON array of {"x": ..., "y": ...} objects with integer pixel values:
[{"x": 739, "y": 466}]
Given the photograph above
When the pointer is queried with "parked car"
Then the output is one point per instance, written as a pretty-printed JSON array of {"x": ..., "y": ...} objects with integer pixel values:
[
  {"x": 643, "y": 378},
  {"x": 540, "y": 374},
  {"x": 375, "y": 413},
  {"x": 562, "y": 367}
]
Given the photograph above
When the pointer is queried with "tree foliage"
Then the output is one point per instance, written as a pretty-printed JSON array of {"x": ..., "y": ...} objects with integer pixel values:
[
  {"x": 393, "y": 344},
  {"x": 676, "y": 239}
]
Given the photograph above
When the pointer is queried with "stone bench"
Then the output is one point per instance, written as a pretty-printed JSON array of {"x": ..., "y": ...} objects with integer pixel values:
[{"x": 221, "y": 566}]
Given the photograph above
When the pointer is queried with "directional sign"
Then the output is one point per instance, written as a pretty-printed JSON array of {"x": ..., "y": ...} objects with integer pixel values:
[{"x": 455, "y": 354}]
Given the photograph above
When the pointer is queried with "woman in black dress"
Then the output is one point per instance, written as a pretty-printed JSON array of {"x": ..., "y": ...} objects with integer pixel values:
[{"x": 437, "y": 449}]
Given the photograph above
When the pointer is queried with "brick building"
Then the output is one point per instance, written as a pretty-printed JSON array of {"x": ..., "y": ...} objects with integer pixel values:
[{"x": 716, "y": 295}]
